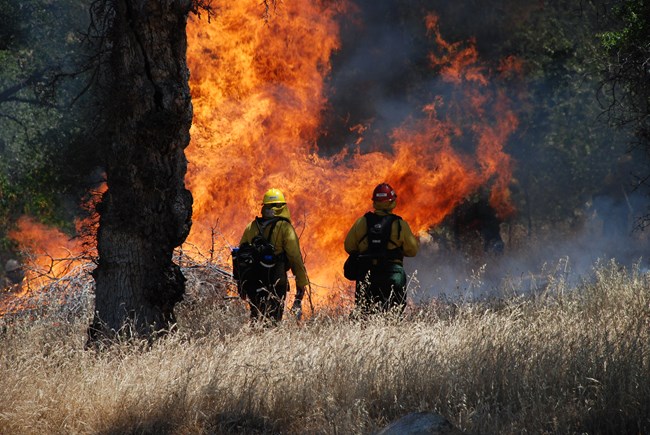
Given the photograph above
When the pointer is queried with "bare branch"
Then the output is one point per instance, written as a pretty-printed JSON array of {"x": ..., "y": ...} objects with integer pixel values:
[
  {"x": 202, "y": 5},
  {"x": 268, "y": 6}
]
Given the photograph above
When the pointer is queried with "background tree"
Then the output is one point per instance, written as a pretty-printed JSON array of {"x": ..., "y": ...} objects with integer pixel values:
[
  {"x": 565, "y": 150},
  {"x": 46, "y": 161},
  {"x": 626, "y": 65},
  {"x": 570, "y": 163}
]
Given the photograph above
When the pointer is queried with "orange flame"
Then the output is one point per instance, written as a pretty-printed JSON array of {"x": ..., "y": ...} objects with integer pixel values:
[
  {"x": 258, "y": 92},
  {"x": 52, "y": 253}
]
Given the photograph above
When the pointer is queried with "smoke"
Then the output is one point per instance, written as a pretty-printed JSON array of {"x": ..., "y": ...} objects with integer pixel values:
[
  {"x": 372, "y": 76},
  {"x": 382, "y": 75},
  {"x": 607, "y": 230}
]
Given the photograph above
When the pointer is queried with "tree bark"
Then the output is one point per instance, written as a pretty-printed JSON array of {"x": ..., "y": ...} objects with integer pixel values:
[{"x": 146, "y": 211}]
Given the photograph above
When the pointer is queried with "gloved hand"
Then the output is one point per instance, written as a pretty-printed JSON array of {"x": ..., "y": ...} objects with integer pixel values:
[
  {"x": 296, "y": 309},
  {"x": 300, "y": 292}
]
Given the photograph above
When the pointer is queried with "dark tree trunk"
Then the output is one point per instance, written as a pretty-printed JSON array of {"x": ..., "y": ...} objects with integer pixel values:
[{"x": 146, "y": 211}]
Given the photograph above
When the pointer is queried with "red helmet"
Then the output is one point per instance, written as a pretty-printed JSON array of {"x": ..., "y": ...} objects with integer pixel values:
[{"x": 383, "y": 193}]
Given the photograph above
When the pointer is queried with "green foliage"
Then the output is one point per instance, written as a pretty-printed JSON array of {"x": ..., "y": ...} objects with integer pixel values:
[
  {"x": 634, "y": 28},
  {"x": 41, "y": 55}
]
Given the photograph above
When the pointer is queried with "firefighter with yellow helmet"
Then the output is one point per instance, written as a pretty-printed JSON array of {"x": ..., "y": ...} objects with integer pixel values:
[
  {"x": 265, "y": 283},
  {"x": 378, "y": 242}
]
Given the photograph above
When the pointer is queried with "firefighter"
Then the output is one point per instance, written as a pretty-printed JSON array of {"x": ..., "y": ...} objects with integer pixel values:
[
  {"x": 14, "y": 275},
  {"x": 383, "y": 239},
  {"x": 266, "y": 300}
]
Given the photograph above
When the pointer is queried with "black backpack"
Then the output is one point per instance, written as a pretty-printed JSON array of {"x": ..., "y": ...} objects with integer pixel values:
[
  {"x": 254, "y": 263},
  {"x": 379, "y": 228}
]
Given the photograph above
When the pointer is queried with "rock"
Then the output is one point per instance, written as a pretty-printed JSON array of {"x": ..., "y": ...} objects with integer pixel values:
[{"x": 420, "y": 423}]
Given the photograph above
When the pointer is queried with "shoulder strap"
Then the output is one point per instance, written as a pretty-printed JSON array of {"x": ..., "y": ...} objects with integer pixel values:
[
  {"x": 368, "y": 216},
  {"x": 399, "y": 227}
]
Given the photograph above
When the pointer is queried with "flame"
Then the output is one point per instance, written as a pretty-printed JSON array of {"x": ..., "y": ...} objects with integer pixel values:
[
  {"x": 52, "y": 253},
  {"x": 259, "y": 92},
  {"x": 258, "y": 89}
]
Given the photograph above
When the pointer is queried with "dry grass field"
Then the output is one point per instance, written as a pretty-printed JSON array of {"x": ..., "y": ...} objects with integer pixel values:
[{"x": 568, "y": 360}]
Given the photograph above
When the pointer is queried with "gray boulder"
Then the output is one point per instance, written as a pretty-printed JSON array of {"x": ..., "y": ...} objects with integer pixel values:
[{"x": 420, "y": 423}]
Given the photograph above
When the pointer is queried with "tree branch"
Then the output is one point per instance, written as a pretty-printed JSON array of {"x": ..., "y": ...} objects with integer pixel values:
[{"x": 9, "y": 92}]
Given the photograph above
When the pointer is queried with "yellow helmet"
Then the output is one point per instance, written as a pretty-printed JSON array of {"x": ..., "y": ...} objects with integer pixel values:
[{"x": 273, "y": 196}]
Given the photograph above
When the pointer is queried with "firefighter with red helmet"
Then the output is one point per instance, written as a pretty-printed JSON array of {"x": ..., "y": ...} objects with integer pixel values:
[
  {"x": 266, "y": 293},
  {"x": 380, "y": 240}
]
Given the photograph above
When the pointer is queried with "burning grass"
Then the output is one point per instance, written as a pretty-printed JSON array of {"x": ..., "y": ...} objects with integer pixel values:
[{"x": 568, "y": 360}]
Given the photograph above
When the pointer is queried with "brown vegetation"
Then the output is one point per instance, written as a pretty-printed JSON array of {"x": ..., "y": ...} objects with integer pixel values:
[{"x": 567, "y": 360}]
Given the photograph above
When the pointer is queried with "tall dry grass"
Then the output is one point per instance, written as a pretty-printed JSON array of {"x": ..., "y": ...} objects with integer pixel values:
[{"x": 566, "y": 360}]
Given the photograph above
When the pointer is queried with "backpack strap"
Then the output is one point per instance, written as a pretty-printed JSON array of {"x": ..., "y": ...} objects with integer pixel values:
[
  {"x": 262, "y": 223},
  {"x": 399, "y": 230}
]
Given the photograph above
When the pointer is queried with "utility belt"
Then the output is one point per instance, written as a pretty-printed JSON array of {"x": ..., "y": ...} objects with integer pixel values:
[
  {"x": 391, "y": 256},
  {"x": 358, "y": 264},
  {"x": 381, "y": 261}
]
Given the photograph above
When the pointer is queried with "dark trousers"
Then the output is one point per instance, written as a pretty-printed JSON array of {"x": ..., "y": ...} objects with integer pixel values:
[
  {"x": 267, "y": 302},
  {"x": 382, "y": 291}
]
